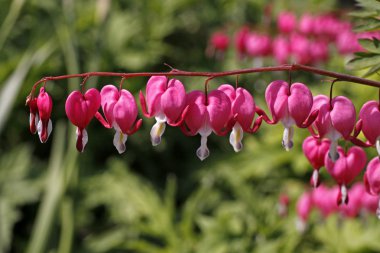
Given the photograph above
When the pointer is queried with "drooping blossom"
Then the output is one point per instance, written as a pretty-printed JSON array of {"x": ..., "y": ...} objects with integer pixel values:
[
  {"x": 290, "y": 104},
  {"x": 257, "y": 46},
  {"x": 324, "y": 199},
  {"x": 369, "y": 118},
  {"x": 218, "y": 44},
  {"x": 165, "y": 100},
  {"x": 45, "y": 106},
  {"x": 33, "y": 114},
  {"x": 300, "y": 47},
  {"x": 372, "y": 180},
  {"x": 336, "y": 119},
  {"x": 304, "y": 208},
  {"x": 242, "y": 112},
  {"x": 320, "y": 51},
  {"x": 80, "y": 109},
  {"x": 306, "y": 24},
  {"x": 240, "y": 41},
  {"x": 353, "y": 208},
  {"x": 206, "y": 115},
  {"x": 347, "y": 42},
  {"x": 281, "y": 49},
  {"x": 120, "y": 110},
  {"x": 283, "y": 205},
  {"x": 315, "y": 150},
  {"x": 345, "y": 169},
  {"x": 286, "y": 22}
]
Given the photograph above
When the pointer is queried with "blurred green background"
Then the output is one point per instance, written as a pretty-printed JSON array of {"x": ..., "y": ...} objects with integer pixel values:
[{"x": 160, "y": 199}]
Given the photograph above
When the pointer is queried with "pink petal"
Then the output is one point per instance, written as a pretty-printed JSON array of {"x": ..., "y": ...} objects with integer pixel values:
[
  {"x": 370, "y": 116},
  {"x": 155, "y": 87},
  {"x": 300, "y": 102},
  {"x": 173, "y": 101},
  {"x": 219, "y": 109},
  {"x": 276, "y": 96},
  {"x": 373, "y": 176},
  {"x": 125, "y": 111},
  {"x": 244, "y": 107},
  {"x": 323, "y": 121},
  {"x": 315, "y": 151},
  {"x": 197, "y": 114},
  {"x": 343, "y": 115},
  {"x": 109, "y": 96}
]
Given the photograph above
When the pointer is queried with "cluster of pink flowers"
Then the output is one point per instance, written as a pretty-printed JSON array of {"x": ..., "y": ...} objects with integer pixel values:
[
  {"x": 231, "y": 110},
  {"x": 308, "y": 40},
  {"x": 323, "y": 199}
]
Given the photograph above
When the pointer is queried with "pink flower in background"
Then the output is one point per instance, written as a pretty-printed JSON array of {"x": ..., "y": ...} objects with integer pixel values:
[
  {"x": 315, "y": 151},
  {"x": 240, "y": 41},
  {"x": 165, "y": 100},
  {"x": 320, "y": 51},
  {"x": 347, "y": 42},
  {"x": 301, "y": 49},
  {"x": 345, "y": 169},
  {"x": 304, "y": 208},
  {"x": 290, "y": 104},
  {"x": 258, "y": 44},
  {"x": 369, "y": 116},
  {"x": 206, "y": 115},
  {"x": 120, "y": 110},
  {"x": 370, "y": 203},
  {"x": 80, "y": 109},
  {"x": 324, "y": 199},
  {"x": 218, "y": 45},
  {"x": 243, "y": 112},
  {"x": 281, "y": 49},
  {"x": 353, "y": 208},
  {"x": 286, "y": 22},
  {"x": 336, "y": 119},
  {"x": 306, "y": 24},
  {"x": 45, "y": 106}
]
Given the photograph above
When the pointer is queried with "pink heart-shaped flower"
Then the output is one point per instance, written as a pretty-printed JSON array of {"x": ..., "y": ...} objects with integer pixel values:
[
  {"x": 80, "y": 109},
  {"x": 370, "y": 116}
]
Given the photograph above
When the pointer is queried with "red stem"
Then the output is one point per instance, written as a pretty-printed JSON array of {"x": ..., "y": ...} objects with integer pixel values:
[{"x": 212, "y": 75}]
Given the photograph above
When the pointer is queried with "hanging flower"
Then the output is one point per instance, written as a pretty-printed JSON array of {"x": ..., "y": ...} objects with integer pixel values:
[
  {"x": 80, "y": 109},
  {"x": 45, "y": 106}
]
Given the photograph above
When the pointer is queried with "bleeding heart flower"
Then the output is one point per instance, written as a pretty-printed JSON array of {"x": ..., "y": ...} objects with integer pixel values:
[
  {"x": 33, "y": 116},
  {"x": 283, "y": 205},
  {"x": 315, "y": 151},
  {"x": 120, "y": 110},
  {"x": 304, "y": 208},
  {"x": 281, "y": 49},
  {"x": 206, "y": 115},
  {"x": 218, "y": 44},
  {"x": 166, "y": 102},
  {"x": 286, "y": 22},
  {"x": 80, "y": 109},
  {"x": 325, "y": 199},
  {"x": 372, "y": 180},
  {"x": 353, "y": 208},
  {"x": 242, "y": 112},
  {"x": 370, "y": 203},
  {"x": 370, "y": 117},
  {"x": 336, "y": 119},
  {"x": 306, "y": 24},
  {"x": 45, "y": 106},
  {"x": 291, "y": 105},
  {"x": 345, "y": 169},
  {"x": 240, "y": 41}
]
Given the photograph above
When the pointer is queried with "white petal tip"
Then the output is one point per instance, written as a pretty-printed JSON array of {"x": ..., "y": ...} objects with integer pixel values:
[
  {"x": 203, "y": 153},
  {"x": 119, "y": 140}
]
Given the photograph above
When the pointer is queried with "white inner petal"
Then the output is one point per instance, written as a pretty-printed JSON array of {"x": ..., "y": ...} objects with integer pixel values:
[
  {"x": 39, "y": 129},
  {"x": 157, "y": 131},
  {"x": 50, "y": 127},
  {"x": 378, "y": 210},
  {"x": 84, "y": 138},
  {"x": 203, "y": 151},
  {"x": 236, "y": 137},
  {"x": 343, "y": 190},
  {"x": 287, "y": 138},
  {"x": 315, "y": 178},
  {"x": 378, "y": 145},
  {"x": 300, "y": 225},
  {"x": 119, "y": 140}
]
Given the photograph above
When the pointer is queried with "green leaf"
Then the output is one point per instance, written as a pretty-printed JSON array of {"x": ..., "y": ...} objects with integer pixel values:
[
  {"x": 371, "y": 24},
  {"x": 369, "y": 4},
  {"x": 364, "y": 62},
  {"x": 372, "y": 70},
  {"x": 370, "y": 45},
  {"x": 364, "y": 14}
]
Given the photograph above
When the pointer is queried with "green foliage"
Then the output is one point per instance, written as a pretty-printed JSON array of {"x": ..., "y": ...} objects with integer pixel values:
[
  {"x": 368, "y": 21},
  {"x": 160, "y": 199}
]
